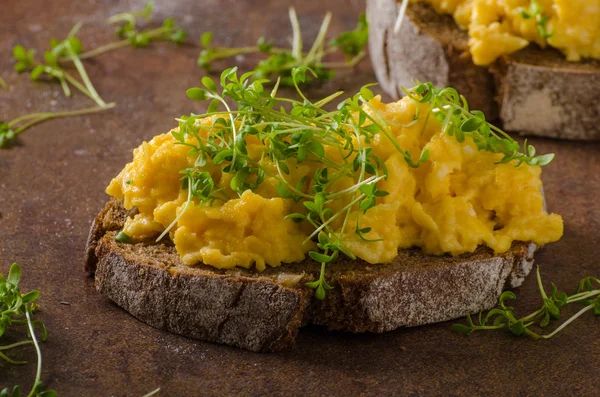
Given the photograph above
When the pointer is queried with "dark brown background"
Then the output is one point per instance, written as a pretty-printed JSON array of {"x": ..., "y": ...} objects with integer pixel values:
[{"x": 52, "y": 183}]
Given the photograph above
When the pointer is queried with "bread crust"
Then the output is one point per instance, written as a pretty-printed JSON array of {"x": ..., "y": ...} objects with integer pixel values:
[
  {"x": 541, "y": 94},
  {"x": 263, "y": 312},
  {"x": 533, "y": 92},
  {"x": 249, "y": 312}
]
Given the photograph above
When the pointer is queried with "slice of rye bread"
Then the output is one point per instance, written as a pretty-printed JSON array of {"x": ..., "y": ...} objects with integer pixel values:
[
  {"x": 264, "y": 311},
  {"x": 533, "y": 92}
]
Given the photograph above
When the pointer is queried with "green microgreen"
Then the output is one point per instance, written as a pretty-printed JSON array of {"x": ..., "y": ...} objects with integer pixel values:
[
  {"x": 535, "y": 11},
  {"x": 123, "y": 237},
  {"x": 70, "y": 47},
  {"x": 71, "y": 50},
  {"x": 451, "y": 108},
  {"x": 282, "y": 61},
  {"x": 126, "y": 28},
  {"x": 503, "y": 317},
  {"x": 17, "y": 308},
  {"x": 25, "y": 58},
  {"x": 3, "y": 83},
  {"x": 320, "y": 285},
  {"x": 10, "y": 130},
  {"x": 352, "y": 43},
  {"x": 126, "y": 22},
  {"x": 304, "y": 132}
]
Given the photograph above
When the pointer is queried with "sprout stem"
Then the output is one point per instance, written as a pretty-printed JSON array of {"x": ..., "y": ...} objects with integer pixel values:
[
  {"x": 11, "y": 346},
  {"x": 40, "y": 117},
  {"x": 569, "y": 321},
  {"x": 38, "y": 373},
  {"x": 84, "y": 76}
]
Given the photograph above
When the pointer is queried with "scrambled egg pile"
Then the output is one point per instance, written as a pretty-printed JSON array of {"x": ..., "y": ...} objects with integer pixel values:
[
  {"x": 459, "y": 199},
  {"x": 498, "y": 27}
]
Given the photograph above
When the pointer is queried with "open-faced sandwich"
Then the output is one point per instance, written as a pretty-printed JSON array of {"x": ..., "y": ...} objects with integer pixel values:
[
  {"x": 242, "y": 225},
  {"x": 535, "y": 64}
]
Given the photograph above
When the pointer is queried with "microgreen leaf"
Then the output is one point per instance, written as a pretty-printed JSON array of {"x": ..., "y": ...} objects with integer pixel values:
[
  {"x": 352, "y": 43},
  {"x": 462, "y": 329},
  {"x": 517, "y": 328},
  {"x": 37, "y": 72},
  {"x": 14, "y": 275},
  {"x": 25, "y": 58},
  {"x": 471, "y": 124},
  {"x": 206, "y": 39},
  {"x": 197, "y": 94},
  {"x": 123, "y": 237},
  {"x": 282, "y": 190},
  {"x": 209, "y": 83},
  {"x": 366, "y": 93},
  {"x": 19, "y": 52},
  {"x": 317, "y": 257}
]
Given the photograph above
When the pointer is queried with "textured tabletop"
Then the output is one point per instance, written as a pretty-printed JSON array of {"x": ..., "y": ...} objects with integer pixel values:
[{"x": 52, "y": 185}]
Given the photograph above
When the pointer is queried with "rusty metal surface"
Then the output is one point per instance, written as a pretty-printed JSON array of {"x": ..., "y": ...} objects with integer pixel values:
[{"x": 52, "y": 183}]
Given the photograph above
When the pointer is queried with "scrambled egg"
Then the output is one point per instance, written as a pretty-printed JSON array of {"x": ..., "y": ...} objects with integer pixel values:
[
  {"x": 459, "y": 199},
  {"x": 498, "y": 27}
]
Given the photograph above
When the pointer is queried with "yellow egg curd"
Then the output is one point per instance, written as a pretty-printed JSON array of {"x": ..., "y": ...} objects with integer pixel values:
[
  {"x": 460, "y": 198},
  {"x": 501, "y": 27}
]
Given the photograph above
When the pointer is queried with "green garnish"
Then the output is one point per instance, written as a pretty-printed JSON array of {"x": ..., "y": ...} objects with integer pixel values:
[
  {"x": 352, "y": 43},
  {"x": 17, "y": 308},
  {"x": 320, "y": 285},
  {"x": 3, "y": 83},
  {"x": 452, "y": 109},
  {"x": 535, "y": 11},
  {"x": 503, "y": 316},
  {"x": 10, "y": 130},
  {"x": 303, "y": 133},
  {"x": 123, "y": 237},
  {"x": 126, "y": 21},
  {"x": 126, "y": 29},
  {"x": 281, "y": 61},
  {"x": 71, "y": 50}
]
